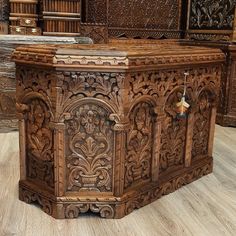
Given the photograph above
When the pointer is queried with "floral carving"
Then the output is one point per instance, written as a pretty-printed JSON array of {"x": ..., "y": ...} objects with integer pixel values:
[
  {"x": 39, "y": 143},
  {"x": 139, "y": 149},
  {"x": 202, "y": 126},
  {"x": 89, "y": 157},
  {"x": 39, "y": 135},
  {"x": 105, "y": 86},
  {"x": 173, "y": 135},
  {"x": 208, "y": 14}
]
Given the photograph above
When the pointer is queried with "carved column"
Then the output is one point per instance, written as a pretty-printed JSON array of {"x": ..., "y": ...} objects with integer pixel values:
[
  {"x": 157, "y": 145},
  {"x": 59, "y": 152},
  {"x": 189, "y": 140},
  {"x": 120, "y": 139}
]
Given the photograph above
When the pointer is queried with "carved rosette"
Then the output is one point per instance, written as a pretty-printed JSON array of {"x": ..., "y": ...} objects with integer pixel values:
[
  {"x": 139, "y": 145},
  {"x": 89, "y": 156},
  {"x": 39, "y": 138}
]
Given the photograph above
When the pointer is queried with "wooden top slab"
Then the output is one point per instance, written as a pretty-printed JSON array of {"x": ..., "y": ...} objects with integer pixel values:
[{"x": 117, "y": 55}]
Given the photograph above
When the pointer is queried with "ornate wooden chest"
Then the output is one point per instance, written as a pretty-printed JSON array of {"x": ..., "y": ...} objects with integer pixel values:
[{"x": 99, "y": 126}]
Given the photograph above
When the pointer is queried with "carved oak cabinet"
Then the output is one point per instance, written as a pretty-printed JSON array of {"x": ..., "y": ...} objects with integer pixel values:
[{"x": 99, "y": 128}]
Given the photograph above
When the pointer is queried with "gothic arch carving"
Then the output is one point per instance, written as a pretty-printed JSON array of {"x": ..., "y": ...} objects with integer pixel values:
[
  {"x": 173, "y": 137},
  {"x": 202, "y": 122},
  {"x": 139, "y": 143}
]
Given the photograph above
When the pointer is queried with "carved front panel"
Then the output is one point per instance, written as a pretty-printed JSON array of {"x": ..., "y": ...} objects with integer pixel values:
[
  {"x": 213, "y": 15},
  {"x": 89, "y": 149},
  {"x": 139, "y": 145},
  {"x": 39, "y": 139}
]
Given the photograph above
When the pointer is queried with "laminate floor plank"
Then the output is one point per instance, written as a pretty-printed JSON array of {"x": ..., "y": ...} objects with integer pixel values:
[{"x": 206, "y": 207}]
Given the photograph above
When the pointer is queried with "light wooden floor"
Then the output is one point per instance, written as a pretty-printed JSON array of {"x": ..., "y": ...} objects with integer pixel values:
[{"x": 205, "y": 207}]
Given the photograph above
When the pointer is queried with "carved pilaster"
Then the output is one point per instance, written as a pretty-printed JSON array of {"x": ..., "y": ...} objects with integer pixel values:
[
  {"x": 189, "y": 140},
  {"x": 59, "y": 152},
  {"x": 212, "y": 131},
  {"x": 159, "y": 121}
]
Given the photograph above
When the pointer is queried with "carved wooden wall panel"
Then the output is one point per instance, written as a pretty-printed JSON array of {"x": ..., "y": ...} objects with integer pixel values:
[
  {"x": 102, "y": 133},
  {"x": 134, "y": 19},
  {"x": 211, "y": 20}
]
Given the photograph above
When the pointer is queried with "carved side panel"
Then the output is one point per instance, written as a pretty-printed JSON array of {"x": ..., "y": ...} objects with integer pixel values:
[
  {"x": 201, "y": 129},
  {"x": 139, "y": 145},
  {"x": 173, "y": 137},
  {"x": 90, "y": 145},
  {"x": 39, "y": 143}
]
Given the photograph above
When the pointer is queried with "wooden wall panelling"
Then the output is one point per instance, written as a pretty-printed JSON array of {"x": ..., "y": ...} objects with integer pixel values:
[
  {"x": 4, "y": 16},
  {"x": 60, "y": 18},
  {"x": 211, "y": 21},
  {"x": 101, "y": 132},
  {"x": 132, "y": 19}
]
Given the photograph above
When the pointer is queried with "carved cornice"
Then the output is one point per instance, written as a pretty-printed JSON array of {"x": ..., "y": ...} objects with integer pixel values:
[{"x": 124, "y": 57}]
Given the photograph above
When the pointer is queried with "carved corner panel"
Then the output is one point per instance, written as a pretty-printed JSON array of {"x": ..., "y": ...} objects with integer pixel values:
[
  {"x": 90, "y": 149},
  {"x": 39, "y": 139}
]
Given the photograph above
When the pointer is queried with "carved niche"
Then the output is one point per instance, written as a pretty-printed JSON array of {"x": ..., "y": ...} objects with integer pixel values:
[
  {"x": 89, "y": 154},
  {"x": 202, "y": 125},
  {"x": 39, "y": 138},
  {"x": 139, "y": 145},
  {"x": 173, "y": 134}
]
